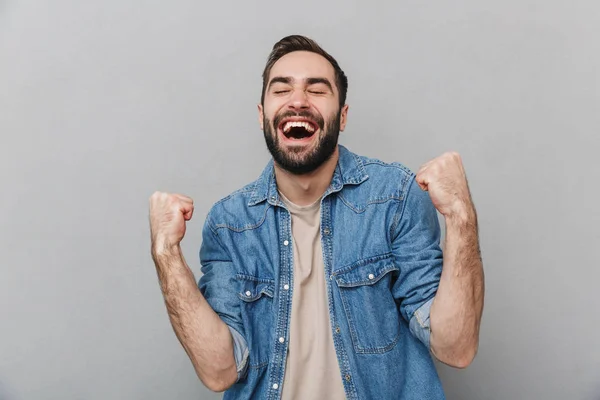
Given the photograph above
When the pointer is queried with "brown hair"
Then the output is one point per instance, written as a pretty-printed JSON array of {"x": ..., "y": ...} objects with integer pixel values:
[{"x": 301, "y": 43}]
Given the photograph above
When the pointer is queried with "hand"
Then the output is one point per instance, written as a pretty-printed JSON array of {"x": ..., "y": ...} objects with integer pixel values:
[
  {"x": 168, "y": 214},
  {"x": 445, "y": 179}
]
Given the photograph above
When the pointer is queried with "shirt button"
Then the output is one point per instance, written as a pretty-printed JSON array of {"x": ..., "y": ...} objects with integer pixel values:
[
  {"x": 371, "y": 276},
  {"x": 281, "y": 340},
  {"x": 326, "y": 231},
  {"x": 248, "y": 293},
  {"x": 285, "y": 243},
  {"x": 337, "y": 330},
  {"x": 286, "y": 286},
  {"x": 348, "y": 377},
  {"x": 275, "y": 386}
]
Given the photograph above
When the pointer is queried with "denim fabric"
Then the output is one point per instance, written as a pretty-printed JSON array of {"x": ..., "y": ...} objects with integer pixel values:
[{"x": 382, "y": 257}]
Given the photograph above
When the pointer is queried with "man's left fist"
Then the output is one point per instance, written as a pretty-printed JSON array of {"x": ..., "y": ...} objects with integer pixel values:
[{"x": 444, "y": 177}]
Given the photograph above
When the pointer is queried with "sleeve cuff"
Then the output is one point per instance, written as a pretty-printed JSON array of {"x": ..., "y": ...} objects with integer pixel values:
[
  {"x": 419, "y": 323},
  {"x": 240, "y": 353}
]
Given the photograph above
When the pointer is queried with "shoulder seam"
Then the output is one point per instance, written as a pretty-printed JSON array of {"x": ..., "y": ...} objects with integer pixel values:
[
  {"x": 246, "y": 189},
  {"x": 395, "y": 164}
]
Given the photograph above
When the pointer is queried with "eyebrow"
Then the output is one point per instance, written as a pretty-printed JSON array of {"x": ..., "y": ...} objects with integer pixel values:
[
  {"x": 281, "y": 79},
  {"x": 325, "y": 81},
  {"x": 310, "y": 81}
]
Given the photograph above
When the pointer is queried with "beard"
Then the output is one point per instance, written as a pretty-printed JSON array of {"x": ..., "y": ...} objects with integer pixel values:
[{"x": 296, "y": 160}]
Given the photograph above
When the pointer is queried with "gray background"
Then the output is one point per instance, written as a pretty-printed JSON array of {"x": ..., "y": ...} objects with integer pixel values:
[{"x": 102, "y": 103}]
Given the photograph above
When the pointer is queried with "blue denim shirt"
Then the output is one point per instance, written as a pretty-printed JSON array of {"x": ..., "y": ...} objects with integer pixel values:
[{"x": 380, "y": 237}]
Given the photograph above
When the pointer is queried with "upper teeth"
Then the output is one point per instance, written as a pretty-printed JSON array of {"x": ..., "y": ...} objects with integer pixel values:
[{"x": 297, "y": 124}]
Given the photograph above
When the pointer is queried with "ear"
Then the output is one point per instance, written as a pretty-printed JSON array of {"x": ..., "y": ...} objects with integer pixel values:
[
  {"x": 344, "y": 117},
  {"x": 261, "y": 116}
]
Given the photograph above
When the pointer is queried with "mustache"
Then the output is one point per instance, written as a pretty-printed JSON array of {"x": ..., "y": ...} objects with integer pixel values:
[{"x": 302, "y": 114}]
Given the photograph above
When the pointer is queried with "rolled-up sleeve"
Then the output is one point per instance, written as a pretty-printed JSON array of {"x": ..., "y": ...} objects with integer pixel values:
[
  {"x": 417, "y": 252},
  {"x": 217, "y": 285}
]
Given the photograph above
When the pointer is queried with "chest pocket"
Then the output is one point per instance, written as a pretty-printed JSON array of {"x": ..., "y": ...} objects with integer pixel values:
[
  {"x": 256, "y": 295},
  {"x": 372, "y": 313}
]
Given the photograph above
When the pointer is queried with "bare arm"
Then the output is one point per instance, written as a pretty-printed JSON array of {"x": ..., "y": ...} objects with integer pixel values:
[
  {"x": 458, "y": 305},
  {"x": 204, "y": 336},
  {"x": 456, "y": 311}
]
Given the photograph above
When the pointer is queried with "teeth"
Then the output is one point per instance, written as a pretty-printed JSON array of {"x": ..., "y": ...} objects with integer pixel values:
[{"x": 297, "y": 124}]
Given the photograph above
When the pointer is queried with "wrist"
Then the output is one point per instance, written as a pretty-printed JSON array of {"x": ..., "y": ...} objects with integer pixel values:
[
  {"x": 462, "y": 215},
  {"x": 161, "y": 250}
]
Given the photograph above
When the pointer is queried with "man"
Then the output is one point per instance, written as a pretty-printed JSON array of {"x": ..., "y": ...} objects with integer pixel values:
[{"x": 324, "y": 278}]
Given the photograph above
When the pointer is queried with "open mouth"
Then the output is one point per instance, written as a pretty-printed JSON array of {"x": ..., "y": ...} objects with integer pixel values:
[{"x": 298, "y": 130}]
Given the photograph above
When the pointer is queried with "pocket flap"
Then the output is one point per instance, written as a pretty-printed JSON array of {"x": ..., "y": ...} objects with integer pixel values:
[
  {"x": 252, "y": 288},
  {"x": 365, "y": 272}
]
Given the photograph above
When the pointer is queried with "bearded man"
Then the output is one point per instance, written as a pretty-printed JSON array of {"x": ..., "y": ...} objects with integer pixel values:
[{"x": 324, "y": 278}]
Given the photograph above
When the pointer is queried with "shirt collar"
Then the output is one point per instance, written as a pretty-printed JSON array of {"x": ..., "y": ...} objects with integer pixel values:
[{"x": 348, "y": 171}]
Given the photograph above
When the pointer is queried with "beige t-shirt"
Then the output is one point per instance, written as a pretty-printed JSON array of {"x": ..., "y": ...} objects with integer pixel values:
[{"x": 312, "y": 371}]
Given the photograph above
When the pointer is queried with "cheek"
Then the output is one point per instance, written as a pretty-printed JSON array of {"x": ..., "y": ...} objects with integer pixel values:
[
  {"x": 270, "y": 115},
  {"x": 329, "y": 113},
  {"x": 326, "y": 107},
  {"x": 273, "y": 105}
]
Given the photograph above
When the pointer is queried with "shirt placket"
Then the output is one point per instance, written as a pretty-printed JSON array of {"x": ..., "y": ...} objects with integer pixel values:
[
  {"x": 284, "y": 296},
  {"x": 327, "y": 244}
]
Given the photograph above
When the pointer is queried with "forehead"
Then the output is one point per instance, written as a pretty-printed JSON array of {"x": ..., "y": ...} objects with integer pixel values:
[{"x": 303, "y": 64}]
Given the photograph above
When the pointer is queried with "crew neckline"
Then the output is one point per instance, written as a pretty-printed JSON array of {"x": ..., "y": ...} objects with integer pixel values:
[{"x": 296, "y": 207}]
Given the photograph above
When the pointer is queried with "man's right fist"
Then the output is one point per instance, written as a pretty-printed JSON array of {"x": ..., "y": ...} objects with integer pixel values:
[{"x": 168, "y": 213}]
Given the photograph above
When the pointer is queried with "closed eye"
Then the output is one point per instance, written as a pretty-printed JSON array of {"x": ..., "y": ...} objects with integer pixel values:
[
  {"x": 316, "y": 92},
  {"x": 281, "y": 91}
]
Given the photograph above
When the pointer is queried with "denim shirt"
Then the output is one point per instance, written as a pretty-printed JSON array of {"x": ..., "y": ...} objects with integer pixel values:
[{"x": 381, "y": 251}]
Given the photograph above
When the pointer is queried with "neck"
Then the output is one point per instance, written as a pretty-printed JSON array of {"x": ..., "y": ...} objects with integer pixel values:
[{"x": 305, "y": 189}]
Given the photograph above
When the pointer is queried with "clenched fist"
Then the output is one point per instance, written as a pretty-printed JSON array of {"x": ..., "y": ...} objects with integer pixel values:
[
  {"x": 168, "y": 214},
  {"x": 445, "y": 179}
]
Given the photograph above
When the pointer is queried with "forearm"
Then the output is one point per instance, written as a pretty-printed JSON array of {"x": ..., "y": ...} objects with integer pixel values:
[
  {"x": 456, "y": 310},
  {"x": 204, "y": 336}
]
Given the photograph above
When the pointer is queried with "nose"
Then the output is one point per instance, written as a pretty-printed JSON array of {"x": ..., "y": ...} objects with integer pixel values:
[{"x": 299, "y": 100}]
